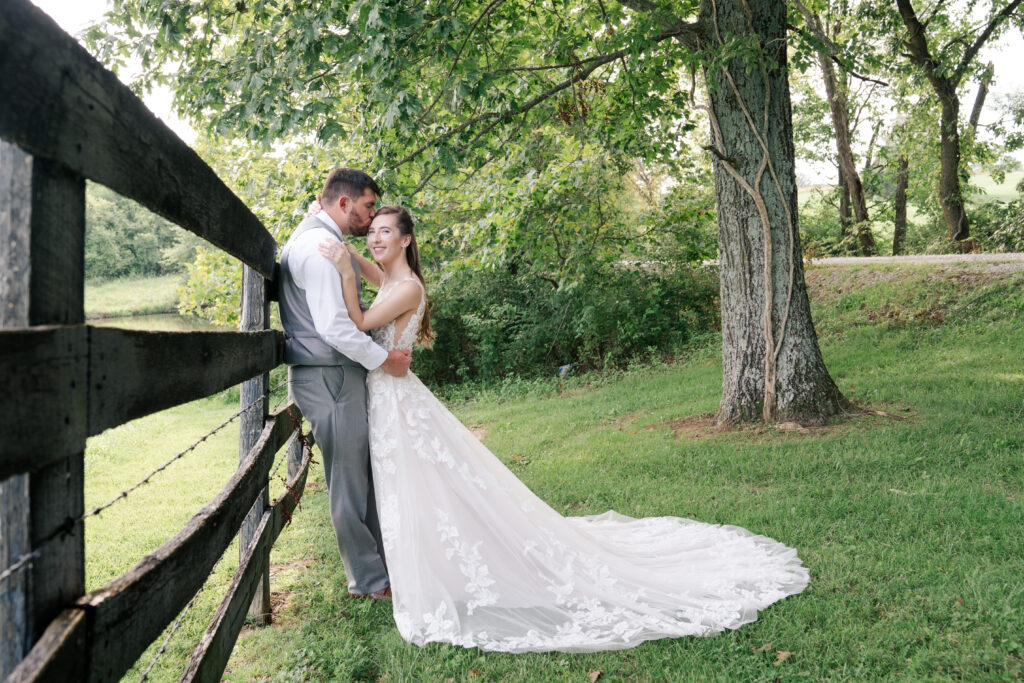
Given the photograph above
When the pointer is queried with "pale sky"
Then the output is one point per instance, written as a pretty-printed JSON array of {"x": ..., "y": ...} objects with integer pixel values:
[
  {"x": 74, "y": 16},
  {"x": 1007, "y": 54}
]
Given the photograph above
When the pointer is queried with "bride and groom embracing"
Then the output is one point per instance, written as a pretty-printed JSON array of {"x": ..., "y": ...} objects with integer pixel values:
[{"x": 426, "y": 516}]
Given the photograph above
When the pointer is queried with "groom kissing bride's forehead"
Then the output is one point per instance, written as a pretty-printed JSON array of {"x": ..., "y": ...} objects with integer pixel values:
[
  {"x": 427, "y": 516},
  {"x": 328, "y": 358},
  {"x": 350, "y": 197}
]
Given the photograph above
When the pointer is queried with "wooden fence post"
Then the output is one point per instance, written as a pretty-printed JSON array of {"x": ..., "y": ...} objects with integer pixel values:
[
  {"x": 255, "y": 316},
  {"x": 42, "y": 233},
  {"x": 295, "y": 454}
]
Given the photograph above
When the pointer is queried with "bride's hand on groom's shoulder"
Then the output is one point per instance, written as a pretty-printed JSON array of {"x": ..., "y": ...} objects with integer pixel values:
[{"x": 338, "y": 254}]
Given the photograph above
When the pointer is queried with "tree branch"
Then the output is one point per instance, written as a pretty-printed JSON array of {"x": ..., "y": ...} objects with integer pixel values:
[
  {"x": 458, "y": 55},
  {"x": 819, "y": 34},
  {"x": 972, "y": 51},
  {"x": 498, "y": 117}
]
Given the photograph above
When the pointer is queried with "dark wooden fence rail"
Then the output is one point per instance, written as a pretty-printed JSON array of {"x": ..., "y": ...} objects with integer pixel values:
[{"x": 65, "y": 119}]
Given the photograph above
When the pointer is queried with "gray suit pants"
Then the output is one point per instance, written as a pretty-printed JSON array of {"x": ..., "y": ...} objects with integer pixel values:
[{"x": 333, "y": 399}]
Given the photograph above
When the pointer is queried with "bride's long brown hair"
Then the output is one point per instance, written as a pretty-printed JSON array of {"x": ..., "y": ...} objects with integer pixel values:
[{"x": 412, "y": 256}]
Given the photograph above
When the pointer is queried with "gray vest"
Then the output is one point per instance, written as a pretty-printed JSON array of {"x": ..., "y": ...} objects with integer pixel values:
[{"x": 302, "y": 344}]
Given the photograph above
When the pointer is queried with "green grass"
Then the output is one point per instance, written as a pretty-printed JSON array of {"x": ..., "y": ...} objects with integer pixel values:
[
  {"x": 991, "y": 191},
  {"x": 910, "y": 527},
  {"x": 132, "y": 296}
]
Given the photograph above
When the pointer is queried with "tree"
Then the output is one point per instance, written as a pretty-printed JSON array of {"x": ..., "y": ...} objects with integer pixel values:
[
  {"x": 825, "y": 35},
  {"x": 946, "y": 70},
  {"x": 122, "y": 238},
  {"x": 437, "y": 90}
]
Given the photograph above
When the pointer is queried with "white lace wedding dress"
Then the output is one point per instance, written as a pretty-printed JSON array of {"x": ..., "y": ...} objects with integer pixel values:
[{"x": 476, "y": 559}]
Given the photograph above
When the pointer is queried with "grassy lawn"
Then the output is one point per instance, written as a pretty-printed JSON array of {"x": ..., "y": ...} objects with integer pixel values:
[
  {"x": 908, "y": 520},
  {"x": 1005, "y": 191},
  {"x": 132, "y": 296}
]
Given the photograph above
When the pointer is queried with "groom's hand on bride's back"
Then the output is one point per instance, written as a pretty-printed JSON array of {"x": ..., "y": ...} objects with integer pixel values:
[{"x": 397, "y": 363}]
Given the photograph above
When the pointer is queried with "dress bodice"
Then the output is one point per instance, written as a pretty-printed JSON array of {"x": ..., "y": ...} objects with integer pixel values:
[{"x": 385, "y": 334}]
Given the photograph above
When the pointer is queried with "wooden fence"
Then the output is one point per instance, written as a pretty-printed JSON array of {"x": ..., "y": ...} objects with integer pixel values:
[{"x": 65, "y": 119}]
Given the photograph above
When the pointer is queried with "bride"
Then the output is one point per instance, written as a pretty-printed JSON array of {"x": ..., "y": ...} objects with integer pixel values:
[{"x": 476, "y": 559}]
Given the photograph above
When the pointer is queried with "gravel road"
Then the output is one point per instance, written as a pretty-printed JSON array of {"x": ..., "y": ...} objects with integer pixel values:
[{"x": 1016, "y": 259}]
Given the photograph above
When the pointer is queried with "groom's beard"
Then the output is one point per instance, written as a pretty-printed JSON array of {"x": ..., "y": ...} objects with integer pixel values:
[{"x": 356, "y": 231}]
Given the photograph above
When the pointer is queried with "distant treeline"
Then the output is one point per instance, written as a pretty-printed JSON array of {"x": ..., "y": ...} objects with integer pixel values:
[{"x": 124, "y": 239}]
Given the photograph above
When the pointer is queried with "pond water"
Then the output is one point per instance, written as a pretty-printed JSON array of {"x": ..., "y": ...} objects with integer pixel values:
[{"x": 163, "y": 322}]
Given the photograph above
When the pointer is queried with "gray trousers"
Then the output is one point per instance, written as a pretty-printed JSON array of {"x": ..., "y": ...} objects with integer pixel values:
[{"x": 333, "y": 399}]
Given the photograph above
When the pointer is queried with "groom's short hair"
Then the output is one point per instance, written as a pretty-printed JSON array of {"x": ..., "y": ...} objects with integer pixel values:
[{"x": 349, "y": 182}]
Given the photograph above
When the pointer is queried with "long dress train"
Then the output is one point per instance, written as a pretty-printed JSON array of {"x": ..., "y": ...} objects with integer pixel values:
[{"x": 476, "y": 559}]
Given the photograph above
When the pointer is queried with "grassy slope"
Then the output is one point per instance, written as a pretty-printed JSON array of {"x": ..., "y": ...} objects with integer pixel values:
[
  {"x": 910, "y": 527},
  {"x": 132, "y": 296}
]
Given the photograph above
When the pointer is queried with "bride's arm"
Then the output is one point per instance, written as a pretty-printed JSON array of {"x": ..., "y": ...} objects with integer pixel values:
[
  {"x": 370, "y": 270},
  {"x": 405, "y": 298}
]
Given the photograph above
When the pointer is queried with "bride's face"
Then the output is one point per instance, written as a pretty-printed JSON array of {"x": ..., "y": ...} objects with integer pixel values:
[{"x": 385, "y": 240}]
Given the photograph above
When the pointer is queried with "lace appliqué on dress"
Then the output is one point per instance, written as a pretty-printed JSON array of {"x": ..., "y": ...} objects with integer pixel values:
[{"x": 476, "y": 559}]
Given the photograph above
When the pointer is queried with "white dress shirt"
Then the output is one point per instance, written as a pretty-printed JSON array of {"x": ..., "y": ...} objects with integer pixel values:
[{"x": 320, "y": 280}]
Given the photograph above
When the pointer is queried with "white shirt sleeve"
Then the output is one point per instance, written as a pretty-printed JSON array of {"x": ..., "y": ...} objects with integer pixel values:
[{"x": 322, "y": 284}]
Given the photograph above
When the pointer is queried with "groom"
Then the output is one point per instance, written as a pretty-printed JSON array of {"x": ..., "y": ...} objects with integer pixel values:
[{"x": 328, "y": 358}]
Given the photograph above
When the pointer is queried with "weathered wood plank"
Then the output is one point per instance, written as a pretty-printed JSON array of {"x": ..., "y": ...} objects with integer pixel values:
[
  {"x": 15, "y": 537},
  {"x": 131, "y": 611},
  {"x": 71, "y": 109},
  {"x": 214, "y": 650},
  {"x": 43, "y": 372},
  {"x": 43, "y": 227},
  {"x": 59, "y": 655},
  {"x": 295, "y": 455},
  {"x": 15, "y": 234},
  {"x": 254, "y": 316},
  {"x": 133, "y": 373}
]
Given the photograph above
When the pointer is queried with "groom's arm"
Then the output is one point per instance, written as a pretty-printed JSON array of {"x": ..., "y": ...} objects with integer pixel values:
[{"x": 317, "y": 276}]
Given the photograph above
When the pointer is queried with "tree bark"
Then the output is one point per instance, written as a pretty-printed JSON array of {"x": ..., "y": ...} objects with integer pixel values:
[
  {"x": 771, "y": 364},
  {"x": 899, "y": 234},
  {"x": 837, "y": 91},
  {"x": 950, "y": 193},
  {"x": 845, "y": 214},
  {"x": 979, "y": 99},
  {"x": 944, "y": 85}
]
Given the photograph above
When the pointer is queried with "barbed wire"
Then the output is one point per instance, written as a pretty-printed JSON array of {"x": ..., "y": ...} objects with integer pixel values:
[
  {"x": 70, "y": 522},
  {"x": 284, "y": 457},
  {"x": 181, "y": 454},
  {"x": 177, "y": 622},
  {"x": 170, "y": 634},
  {"x": 18, "y": 564}
]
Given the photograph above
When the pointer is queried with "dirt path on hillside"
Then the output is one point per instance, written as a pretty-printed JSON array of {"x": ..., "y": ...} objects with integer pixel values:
[{"x": 988, "y": 262}]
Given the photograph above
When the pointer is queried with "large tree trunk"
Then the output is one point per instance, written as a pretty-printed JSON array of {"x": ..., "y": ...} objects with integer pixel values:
[
  {"x": 837, "y": 99},
  {"x": 957, "y": 225},
  {"x": 899, "y": 234},
  {"x": 771, "y": 365}
]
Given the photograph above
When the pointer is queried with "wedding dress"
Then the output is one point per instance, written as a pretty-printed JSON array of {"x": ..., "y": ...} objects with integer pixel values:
[{"x": 476, "y": 559}]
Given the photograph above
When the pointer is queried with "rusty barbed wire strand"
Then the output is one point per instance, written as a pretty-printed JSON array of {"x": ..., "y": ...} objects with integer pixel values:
[
  {"x": 178, "y": 456},
  {"x": 18, "y": 564},
  {"x": 69, "y": 523}
]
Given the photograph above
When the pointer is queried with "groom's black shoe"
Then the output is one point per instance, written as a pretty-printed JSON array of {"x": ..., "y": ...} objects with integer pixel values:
[{"x": 382, "y": 594}]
